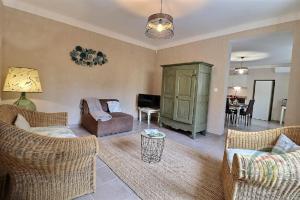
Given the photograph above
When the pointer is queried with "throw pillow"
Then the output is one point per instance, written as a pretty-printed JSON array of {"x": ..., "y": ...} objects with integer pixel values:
[
  {"x": 22, "y": 123},
  {"x": 114, "y": 106},
  {"x": 285, "y": 145}
]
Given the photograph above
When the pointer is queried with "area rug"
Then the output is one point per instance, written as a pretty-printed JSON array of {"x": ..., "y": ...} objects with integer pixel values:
[{"x": 183, "y": 173}]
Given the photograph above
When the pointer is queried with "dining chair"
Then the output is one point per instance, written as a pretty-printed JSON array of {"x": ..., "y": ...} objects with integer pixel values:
[
  {"x": 231, "y": 114},
  {"x": 246, "y": 116}
]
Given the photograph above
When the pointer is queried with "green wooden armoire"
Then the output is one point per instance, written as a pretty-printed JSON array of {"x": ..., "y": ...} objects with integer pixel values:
[{"x": 184, "y": 96}]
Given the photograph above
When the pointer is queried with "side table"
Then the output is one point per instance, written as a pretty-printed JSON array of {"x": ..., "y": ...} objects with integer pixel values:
[
  {"x": 148, "y": 111},
  {"x": 152, "y": 145}
]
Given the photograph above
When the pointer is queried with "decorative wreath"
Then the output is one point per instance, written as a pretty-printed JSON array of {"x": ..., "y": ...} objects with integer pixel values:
[{"x": 87, "y": 57}]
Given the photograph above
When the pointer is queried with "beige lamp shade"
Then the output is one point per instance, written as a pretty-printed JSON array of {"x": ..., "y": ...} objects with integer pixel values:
[{"x": 21, "y": 79}]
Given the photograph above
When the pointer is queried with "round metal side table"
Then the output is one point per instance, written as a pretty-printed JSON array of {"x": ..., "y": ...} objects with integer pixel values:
[{"x": 152, "y": 146}]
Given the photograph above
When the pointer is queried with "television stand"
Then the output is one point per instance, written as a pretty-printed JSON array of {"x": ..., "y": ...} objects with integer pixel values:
[{"x": 148, "y": 111}]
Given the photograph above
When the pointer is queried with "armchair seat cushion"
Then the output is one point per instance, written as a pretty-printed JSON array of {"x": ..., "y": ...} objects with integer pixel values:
[
  {"x": 243, "y": 152},
  {"x": 120, "y": 122},
  {"x": 58, "y": 132}
]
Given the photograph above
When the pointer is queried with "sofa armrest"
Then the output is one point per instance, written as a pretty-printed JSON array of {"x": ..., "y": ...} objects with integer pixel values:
[
  {"x": 270, "y": 171},
  {"x": 58, "y": 153},
  {"x": 42, "y": 119}
]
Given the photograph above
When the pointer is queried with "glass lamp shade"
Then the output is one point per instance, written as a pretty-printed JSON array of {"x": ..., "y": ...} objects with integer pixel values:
[
  {"x": 20, "y": 79},
  {"x": 242, "y": 70},
  {"x": 160, "y": 26}
]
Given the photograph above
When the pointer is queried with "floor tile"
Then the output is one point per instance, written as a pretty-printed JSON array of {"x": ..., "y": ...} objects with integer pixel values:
[
  {"x": 104, "y": 174},
  {"x": 112, "y": 190},
  {"x": 85, "y": 197}
]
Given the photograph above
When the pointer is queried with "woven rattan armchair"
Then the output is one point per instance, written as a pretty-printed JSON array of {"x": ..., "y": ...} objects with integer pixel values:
[
  {"x": 250, "y": 177},
  {"x": 41, "y": 167}
]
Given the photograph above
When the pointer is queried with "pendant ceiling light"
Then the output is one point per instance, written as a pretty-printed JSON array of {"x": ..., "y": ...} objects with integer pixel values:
[
  {"x": 241, "y": 69},
  {"x": 160, "y": 25}
]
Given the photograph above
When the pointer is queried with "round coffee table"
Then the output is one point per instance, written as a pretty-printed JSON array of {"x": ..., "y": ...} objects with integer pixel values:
[{"x": 152, "y": 146}]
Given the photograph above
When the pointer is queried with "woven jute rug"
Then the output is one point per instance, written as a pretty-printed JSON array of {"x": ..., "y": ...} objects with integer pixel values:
[{"x": 183, "y": 173}]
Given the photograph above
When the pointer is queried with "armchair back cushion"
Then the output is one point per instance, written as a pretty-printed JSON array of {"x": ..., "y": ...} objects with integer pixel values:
[
  {"x": 22, "y": 123},
  {"x": 105, "y": 105},
  {"x": 285, "y": 145}
]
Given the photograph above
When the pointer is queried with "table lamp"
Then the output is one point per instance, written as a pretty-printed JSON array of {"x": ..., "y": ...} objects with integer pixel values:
[{"x": 21, "y": 79}]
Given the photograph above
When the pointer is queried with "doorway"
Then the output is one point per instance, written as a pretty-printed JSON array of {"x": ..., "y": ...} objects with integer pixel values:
[
  {"x": 263, "y": 94},
  {"x": 259, "y": 70}
]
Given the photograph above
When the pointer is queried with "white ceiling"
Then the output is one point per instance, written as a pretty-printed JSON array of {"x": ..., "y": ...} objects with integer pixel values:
[
  {"x": 277, "y": 47},
  {"x": 194, "y": 19}
]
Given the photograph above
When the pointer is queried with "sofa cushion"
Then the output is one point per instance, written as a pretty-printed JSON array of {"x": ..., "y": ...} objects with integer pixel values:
[
  {"x": 285, "y": 145},
  {"x": 120, "y": 122},
  {"x": 104, "y": 105},
  {"x": 244, "y": 152},
  {"x": 58, "y": 132},
  {"x": 22, "y": 123},
  {"x": 114, "y": 106}
]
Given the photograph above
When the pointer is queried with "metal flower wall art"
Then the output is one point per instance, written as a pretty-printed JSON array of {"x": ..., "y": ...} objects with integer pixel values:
[{"x": 88, "y": 57}]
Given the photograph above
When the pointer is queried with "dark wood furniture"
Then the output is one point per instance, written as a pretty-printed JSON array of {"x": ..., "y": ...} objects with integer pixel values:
[
  {"x": 246, "y": 115},
  {"x": 231, "y": 114}
]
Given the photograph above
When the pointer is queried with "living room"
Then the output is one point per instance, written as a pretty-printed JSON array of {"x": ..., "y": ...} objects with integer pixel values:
[{"x": 43, "y": 34}]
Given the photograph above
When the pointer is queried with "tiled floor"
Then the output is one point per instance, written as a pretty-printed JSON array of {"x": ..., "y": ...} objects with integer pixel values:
[{"x": 110, "y": 187}]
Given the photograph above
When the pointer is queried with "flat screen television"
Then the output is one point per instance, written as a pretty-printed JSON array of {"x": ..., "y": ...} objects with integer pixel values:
[{"x": 149, "y": 101}]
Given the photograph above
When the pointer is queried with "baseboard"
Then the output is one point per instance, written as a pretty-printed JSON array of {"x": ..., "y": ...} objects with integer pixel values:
[{"x": 74, "y": 125}]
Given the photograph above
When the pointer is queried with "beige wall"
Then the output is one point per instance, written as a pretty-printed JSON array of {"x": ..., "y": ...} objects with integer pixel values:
[
  {"x": 242, "y": 92},
  {"x": 293, "y": 109},
  {"x": 216, "y": 51},
  {"x": 33, "y": 41},
  {"x": 1, "y": 34}
]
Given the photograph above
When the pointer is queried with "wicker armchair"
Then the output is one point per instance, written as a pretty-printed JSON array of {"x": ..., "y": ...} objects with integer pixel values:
[
  {"x": 249, "y": 177},
  {"x": 41, "y": 167}
]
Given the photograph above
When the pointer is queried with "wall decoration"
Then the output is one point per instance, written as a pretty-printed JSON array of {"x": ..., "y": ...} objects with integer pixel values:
[{"x": 88, "y": 57}]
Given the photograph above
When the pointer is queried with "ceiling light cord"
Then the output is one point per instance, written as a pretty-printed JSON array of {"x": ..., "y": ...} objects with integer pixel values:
[
  {"x": 242, "y": 61},
  {"x": 160, "y": 6}
]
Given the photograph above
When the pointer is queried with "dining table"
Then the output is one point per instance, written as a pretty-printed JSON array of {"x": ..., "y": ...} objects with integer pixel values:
[{"x": 237, "y": 107}]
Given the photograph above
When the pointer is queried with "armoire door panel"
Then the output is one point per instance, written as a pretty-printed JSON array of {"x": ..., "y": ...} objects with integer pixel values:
[
  {"x": 185, "y": 86},
  {"x": 167, "y": 99},
  {"x": 169, "y": 83},
  {"x": 168, "y": 107}
]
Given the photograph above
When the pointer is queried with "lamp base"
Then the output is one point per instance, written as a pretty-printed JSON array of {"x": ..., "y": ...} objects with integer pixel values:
[{"x": 25, "y": 103}]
